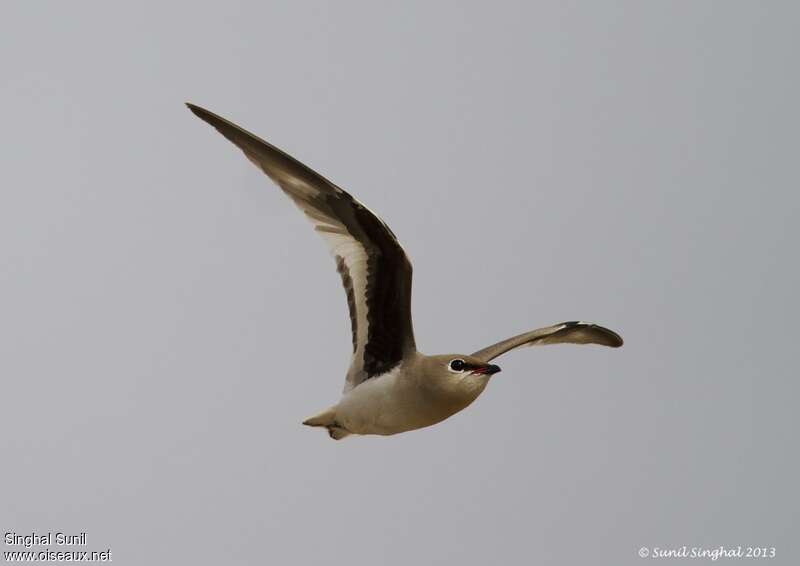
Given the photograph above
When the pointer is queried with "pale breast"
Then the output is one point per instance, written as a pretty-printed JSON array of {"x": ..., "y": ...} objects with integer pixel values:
[{"x": 395, "y": 402}]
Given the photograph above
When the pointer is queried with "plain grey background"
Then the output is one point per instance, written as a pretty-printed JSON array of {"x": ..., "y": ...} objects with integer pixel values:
[{"x": 169, "y": 318}]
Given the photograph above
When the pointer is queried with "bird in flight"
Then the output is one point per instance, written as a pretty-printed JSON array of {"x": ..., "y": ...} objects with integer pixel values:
[{"x": 390, "y": 386}]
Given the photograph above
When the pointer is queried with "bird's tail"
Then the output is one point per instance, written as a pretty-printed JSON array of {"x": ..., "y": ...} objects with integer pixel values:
[{"x": 327, "y": 418}]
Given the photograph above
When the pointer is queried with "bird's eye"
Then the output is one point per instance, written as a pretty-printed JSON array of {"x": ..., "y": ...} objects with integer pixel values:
[{"x": 457, "y": 365}]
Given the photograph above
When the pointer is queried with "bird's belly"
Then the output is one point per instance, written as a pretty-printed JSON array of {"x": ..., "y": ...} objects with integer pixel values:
[{"x": 386, "y": 406}]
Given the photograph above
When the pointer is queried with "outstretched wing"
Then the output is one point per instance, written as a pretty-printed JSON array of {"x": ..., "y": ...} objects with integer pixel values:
[
  {"x": 574, "y": 332},
  {"x": 375, "y": 270}
]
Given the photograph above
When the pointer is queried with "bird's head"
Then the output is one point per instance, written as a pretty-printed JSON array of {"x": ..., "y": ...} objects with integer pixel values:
[
  {"x": 458, "y": 378},
  {"x": 461, "y": 365}
]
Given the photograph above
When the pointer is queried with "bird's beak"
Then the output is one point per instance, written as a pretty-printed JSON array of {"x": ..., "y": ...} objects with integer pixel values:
[{"x": 488, "y": 369}]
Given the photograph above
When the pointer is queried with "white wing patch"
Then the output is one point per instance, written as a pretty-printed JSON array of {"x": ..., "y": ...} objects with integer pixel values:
[{"x": 341, "y": 244}]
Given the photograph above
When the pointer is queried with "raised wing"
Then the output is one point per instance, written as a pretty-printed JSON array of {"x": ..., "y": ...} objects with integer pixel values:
[
  {"x": 375, "y": 270},
  {"x": 574, "y": 332}
]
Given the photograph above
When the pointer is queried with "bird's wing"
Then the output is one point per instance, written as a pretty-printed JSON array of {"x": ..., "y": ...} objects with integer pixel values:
[
  {"x": 375, "y": 270},
  {"x": 564, "y": 333}
]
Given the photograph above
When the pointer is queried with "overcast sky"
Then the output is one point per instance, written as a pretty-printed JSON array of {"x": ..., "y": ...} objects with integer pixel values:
[{"x": 168, "y": 318}]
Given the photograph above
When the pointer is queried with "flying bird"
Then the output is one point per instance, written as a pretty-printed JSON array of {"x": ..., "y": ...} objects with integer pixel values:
[{"x": 390, "y": 386}]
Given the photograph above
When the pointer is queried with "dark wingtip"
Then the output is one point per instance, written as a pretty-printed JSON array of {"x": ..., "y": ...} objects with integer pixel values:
[
  {"x": 208, "y": 116},
  {"x": 614, "y": 339},
  {"x": 228, "y": 129},
  {"x": 609, "y": 337},
  {"x": 198, "y": 111}
]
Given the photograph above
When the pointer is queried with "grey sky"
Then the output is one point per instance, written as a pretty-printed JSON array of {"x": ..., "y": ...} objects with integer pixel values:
[{"x": 169, "y": 318}]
